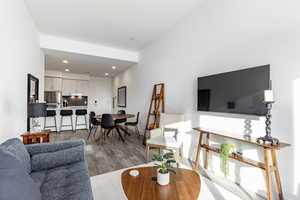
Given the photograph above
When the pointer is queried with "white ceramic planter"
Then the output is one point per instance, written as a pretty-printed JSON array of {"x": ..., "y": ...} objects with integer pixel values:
[{"x": 163, "y": 179}]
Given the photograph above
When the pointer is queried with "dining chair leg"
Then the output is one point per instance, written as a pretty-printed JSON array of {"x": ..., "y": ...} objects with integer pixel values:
[
  {"x": 120, "y": 135},
  {"x": 137, "y": 131},
  {"x": 102, "y": 133},
  {"x": 89, "y": 134},
  {"x": 108, "y": 132}
]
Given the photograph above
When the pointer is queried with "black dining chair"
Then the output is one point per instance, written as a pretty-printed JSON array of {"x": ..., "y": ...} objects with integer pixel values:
[
  {"x": 93, "y": 124},
  {"x": 134, "y": 124},
  {"x": 120, "y": 121},
  {"x": 108, "y": 123}
]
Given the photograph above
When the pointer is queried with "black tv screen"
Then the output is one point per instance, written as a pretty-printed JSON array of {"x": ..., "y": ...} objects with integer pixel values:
[{"x": 239, "y": 92}]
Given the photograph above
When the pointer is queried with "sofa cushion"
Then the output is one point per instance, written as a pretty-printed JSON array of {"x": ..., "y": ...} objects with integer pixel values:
[
  {"x": 18, "y": 150},
  {"x": 15, "y": 182},
  {"x": 50, "y": 160},
  {"x": 67, "y": 182},
  {"x": 38, "y": 177}
]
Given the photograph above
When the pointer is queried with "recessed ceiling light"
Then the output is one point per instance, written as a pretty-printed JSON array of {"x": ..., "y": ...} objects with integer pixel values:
[
  {"x": 65, "y": 61},
  {"x": 67, "y": 70},
  {"x": 113, "y": 67},
  {"x": 106, "y": 74}
]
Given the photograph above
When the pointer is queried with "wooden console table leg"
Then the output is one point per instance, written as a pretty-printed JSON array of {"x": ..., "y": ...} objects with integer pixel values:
[
  {"x": 207, "y": 151},
  {"x": 198, "y": 151},
  {"x": 277, "y": 175},
  {"x": 267, "y": 171}
]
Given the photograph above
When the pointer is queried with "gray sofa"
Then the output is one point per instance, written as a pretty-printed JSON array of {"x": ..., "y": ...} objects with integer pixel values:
[{"x": 50, "y": 171}]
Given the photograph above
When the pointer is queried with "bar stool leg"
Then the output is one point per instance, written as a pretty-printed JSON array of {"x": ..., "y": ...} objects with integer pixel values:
[
  {"x": 71, "y": 118},
  {"x": 86, "y": 124},
  {"x": 61, "y": 121},
  {"x": 55, "y": 124},
  {"x": 76, "y": 123},
  {"x": 45, "y": 122}
]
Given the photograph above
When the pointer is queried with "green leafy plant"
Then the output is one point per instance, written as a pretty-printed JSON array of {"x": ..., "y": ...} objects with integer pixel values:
[
  {"x": 165, "y": 162},
  {"x": 226, "y": 150}
]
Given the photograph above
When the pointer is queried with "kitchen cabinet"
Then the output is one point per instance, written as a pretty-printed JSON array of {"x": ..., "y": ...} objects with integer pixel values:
[
  {"x": 53, "y": 84},
  {"x": 82, "y": 87},
  {"x": 70, "y": 87}
]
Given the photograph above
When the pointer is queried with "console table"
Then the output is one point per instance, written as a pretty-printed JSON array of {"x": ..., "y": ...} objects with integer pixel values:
[{"x": 267, "y": 151}]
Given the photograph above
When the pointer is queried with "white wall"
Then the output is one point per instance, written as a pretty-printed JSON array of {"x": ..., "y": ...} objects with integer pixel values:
[
  {"x": 100, "y": 90},
  {"x": 20, "y": 54},
  {"x": 223, "y": 36}
]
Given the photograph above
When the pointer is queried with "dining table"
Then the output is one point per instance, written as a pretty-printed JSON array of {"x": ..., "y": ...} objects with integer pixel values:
[{"x": 119, "y": 126}]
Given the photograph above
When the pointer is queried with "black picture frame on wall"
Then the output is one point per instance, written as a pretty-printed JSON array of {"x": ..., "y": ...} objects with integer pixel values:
[
  {"x": 32, "y": 94},
  {"x": 122, "y": 96}
]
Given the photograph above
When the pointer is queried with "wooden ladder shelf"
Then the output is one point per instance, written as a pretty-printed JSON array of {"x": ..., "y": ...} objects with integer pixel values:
[{"x": 157, "y": 106}]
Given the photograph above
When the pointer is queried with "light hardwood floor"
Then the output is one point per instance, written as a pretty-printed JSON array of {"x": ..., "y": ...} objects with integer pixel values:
[{"x": 108, "y": 156}]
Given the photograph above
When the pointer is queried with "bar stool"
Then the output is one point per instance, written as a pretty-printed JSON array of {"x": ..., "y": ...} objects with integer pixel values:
[
  {"x": 66, "y": 113},
  {"x": 83, "y": 113},
  {"x": 52, "y": 114}
]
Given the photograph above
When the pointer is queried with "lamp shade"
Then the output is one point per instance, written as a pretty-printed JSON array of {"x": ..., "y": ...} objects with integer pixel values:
[{"x": 37, "y": 110}]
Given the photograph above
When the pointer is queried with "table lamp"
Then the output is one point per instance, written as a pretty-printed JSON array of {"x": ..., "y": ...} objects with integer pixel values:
[
  {"x": 35, "y": 111},
  {"x": 268, "y": 100}
]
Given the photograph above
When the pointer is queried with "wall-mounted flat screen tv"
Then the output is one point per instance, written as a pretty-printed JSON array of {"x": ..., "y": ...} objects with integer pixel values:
[{"x": 239, "y": 92}]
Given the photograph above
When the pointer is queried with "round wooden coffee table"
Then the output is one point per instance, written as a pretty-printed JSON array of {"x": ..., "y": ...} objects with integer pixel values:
[{"x": 184, "y": 185}]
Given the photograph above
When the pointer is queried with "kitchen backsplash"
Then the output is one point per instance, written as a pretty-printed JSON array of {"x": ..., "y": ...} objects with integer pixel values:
[{"x": 75, "y": 101}]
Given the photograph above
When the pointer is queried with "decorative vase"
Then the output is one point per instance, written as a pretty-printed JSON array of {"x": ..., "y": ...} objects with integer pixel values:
[{"x": 163, "y": 179}]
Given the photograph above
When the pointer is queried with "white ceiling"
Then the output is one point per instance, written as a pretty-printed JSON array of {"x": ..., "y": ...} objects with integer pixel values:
[
  {"x": 83, "y": 64},
  {"x": 129, "y": 24}
]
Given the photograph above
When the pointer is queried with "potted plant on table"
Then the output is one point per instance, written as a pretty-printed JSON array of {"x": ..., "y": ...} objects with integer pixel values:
[{"x": 164, "y": 167}]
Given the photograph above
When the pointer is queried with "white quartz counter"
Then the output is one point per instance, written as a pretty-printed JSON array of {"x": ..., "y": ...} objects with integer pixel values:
[{"x": 69, "y": 108}]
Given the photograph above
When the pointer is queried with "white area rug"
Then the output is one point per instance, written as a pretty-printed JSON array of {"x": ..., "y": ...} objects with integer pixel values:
[{"x": 109, "y": 187}]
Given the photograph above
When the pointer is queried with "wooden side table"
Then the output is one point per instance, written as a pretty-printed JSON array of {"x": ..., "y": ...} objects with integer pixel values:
[
  {"x": 33, "y": 138},
  {"x": 266, "y": 166}
]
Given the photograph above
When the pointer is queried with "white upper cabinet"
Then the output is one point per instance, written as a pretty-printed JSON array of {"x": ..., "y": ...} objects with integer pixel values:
[
  {"x": 70, "y": 87},
  {"x": 82, "y": 87},
  {"x": 53, "y": 84}
]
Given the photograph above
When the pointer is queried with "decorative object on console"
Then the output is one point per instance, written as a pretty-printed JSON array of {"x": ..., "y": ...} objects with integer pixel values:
[
  {"x": 225, "y": 151},
  {"x": 164, "y": 167},
  {"x": 268, "y": 100},
  {"x": 36, "y": 110}
]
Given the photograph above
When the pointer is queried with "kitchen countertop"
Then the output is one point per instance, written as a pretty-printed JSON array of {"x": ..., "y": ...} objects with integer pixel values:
[{"x": 69, "y": 107}]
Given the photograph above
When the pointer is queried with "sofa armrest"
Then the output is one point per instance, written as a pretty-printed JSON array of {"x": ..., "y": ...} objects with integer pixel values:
[
  {"x": 53, "y": 146},
  {"x": 60, "y": 157}
]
